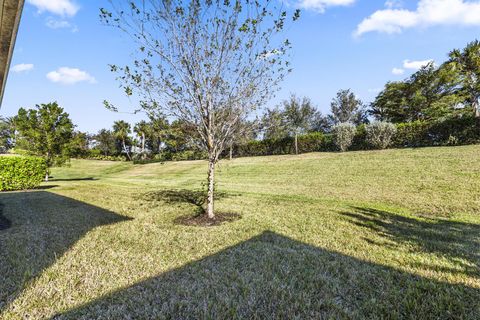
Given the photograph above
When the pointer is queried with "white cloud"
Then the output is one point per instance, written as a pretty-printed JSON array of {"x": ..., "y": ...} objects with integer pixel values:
[
  {"x": 398, "y": 71},
  {"x": 57, "y": 24},
  {"x": 60, "y": 24},
  {"x": 67, "y": 75},
  {"x": 59, "y": 7},
  {"x": 391, "y": 4},
  {"x": 22, "y": 67},
  {"x": 321, "y": 5},
  {"x": 416, "y": 65},
  {"x": 428, "y": 13},
  {"x": 374, "y": 90}
]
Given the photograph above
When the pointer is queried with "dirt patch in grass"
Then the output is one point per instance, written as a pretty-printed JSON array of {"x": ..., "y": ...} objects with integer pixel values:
[{"x": 202, "y": 220}]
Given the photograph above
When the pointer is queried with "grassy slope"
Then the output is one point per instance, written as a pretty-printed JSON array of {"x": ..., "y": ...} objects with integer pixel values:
[{"x": 373, "y": 234}]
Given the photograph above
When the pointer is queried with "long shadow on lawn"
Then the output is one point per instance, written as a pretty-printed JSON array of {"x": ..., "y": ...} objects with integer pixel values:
[
  {"x": 274, "y": 277},
  {"x": 52, "y": 179},
  {"x": 454, "y": 240},
  {"x": 43, "y": 226}
]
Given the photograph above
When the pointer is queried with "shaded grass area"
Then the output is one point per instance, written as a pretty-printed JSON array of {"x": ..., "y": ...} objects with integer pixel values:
[
  {"x": 271, "y": 276},
  {"x": 4, "y": 222},
  {"x": 391, "y": 234},
  {"x": 44, "y": 227},
  {"x": 453, "y": 240}
]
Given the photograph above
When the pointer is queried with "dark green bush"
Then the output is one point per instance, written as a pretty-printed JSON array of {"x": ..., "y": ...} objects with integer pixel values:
[
  {"x": 360, "y": 139},
  {"x": 96, "y": 154},
  {"x": 19, "y": 173},
  {"x": 462, "y": 129},
  {"x": 188, "y": 155},
  {"x": 310, "y": 142},
  {"x": 412, "y": 134}
]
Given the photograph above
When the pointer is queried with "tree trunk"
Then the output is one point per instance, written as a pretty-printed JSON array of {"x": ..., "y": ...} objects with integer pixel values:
[
  {"x": 126, "y": 151},
  {"x": 476, "y": 108},
  {"x": 143, "y": 142},
  {"x": 46, "y": 176},
  {"x": 231, "y": 152},
  {"x": 296, "y": 143},
  {"x": 211, "y": 186}
]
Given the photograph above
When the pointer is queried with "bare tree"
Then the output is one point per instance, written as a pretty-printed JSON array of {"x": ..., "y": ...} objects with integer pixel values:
[{"x": 208, "y": 63}]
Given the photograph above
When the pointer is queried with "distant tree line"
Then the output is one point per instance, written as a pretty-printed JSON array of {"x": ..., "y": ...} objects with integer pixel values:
[{"x": 436, "y": 105}]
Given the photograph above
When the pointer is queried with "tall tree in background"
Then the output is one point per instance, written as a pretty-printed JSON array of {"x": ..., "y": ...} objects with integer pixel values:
[
  {"x": 141, "y": 129},
  {"x": 273, "y": 124},
  {"x": 79, "y": 144},
  {"x": 105, "y": 141},
  {"x": 156, "y": 133},
  {"x": 246, "y": 131},
  {"x": 430, "y": 93},
  {"x": 299, "y": 116},
  {"x": 345, "y": 107},
  {"x": 467, "y": 63},
  {"x": 46, "y": 132},
  {"x": 7, "y": 134},
  {"x": 122, "y": 130},
  {"x": 206, "y": 63}
]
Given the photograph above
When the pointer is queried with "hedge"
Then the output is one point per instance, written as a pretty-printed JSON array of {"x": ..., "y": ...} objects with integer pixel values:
[
  {"x": 455, "y": 130},
  {"x": 462, "y": 129},
  {"x": 20, "y": 172}
]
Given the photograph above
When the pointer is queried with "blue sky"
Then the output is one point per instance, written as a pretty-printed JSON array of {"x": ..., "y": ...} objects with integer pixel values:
[{"x": 63, "y": 51}]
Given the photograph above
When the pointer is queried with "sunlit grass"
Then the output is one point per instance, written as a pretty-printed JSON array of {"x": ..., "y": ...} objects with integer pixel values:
[{"x": 387, "y": 234}]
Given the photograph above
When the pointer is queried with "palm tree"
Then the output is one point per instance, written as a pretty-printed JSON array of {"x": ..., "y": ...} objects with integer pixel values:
[
  {"x": 122, "y": 129},
  {"x": 141, "y": 129}
]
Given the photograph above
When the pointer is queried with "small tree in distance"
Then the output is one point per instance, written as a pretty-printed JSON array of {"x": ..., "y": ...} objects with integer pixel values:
[
  {"x": 46, "y": 132},
  {"x": 346, "y": 107},
  {"x": 105, "y": 142},
  {"x": 206, "y": 63},
  {"x": 299, "y": 116}
]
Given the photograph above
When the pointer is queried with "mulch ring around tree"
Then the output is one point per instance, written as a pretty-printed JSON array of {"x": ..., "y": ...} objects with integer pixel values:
[
  {"x": 202, "y": 220},
  {"x": 4, "y": 222}
]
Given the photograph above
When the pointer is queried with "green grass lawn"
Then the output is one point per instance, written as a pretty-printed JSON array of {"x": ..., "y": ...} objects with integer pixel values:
[{"x": 389, "y": 234}]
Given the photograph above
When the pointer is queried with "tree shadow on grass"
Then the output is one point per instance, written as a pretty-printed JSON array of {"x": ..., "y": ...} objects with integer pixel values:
[
  {"x": 196, "y": 198},
  {"x": 272, "y": 276},
  {"x": 43, "y": 226},
  {"x": 454, "y": 240},
  {"x": 52, "y": 179}
]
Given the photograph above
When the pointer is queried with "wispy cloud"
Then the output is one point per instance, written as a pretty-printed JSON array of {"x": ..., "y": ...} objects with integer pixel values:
[
  {"x": 66, "y": 75},
  {"x": 398, "y": 71},
  {"x": 416, "y": 64},
  {"x": 60, "y": 24},
  {"x": 428, "y": 13},
  {"x": 22, "y": 67},
  {"x": 321, "y": 5},
  {"x": 59, "y": 7},
  {"x": 374, "y": 90}
]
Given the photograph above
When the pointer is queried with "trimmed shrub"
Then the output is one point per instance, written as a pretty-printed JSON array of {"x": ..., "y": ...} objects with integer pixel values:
[
  {"x": 412, "y": 134},
  {"x": 343, "y": 134},
  {"x": 19, "y": 172},
  {"x": 311, "y": 142},
  {"x": 380, "y": 134},
  {"x": 360, "y": 139}
]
